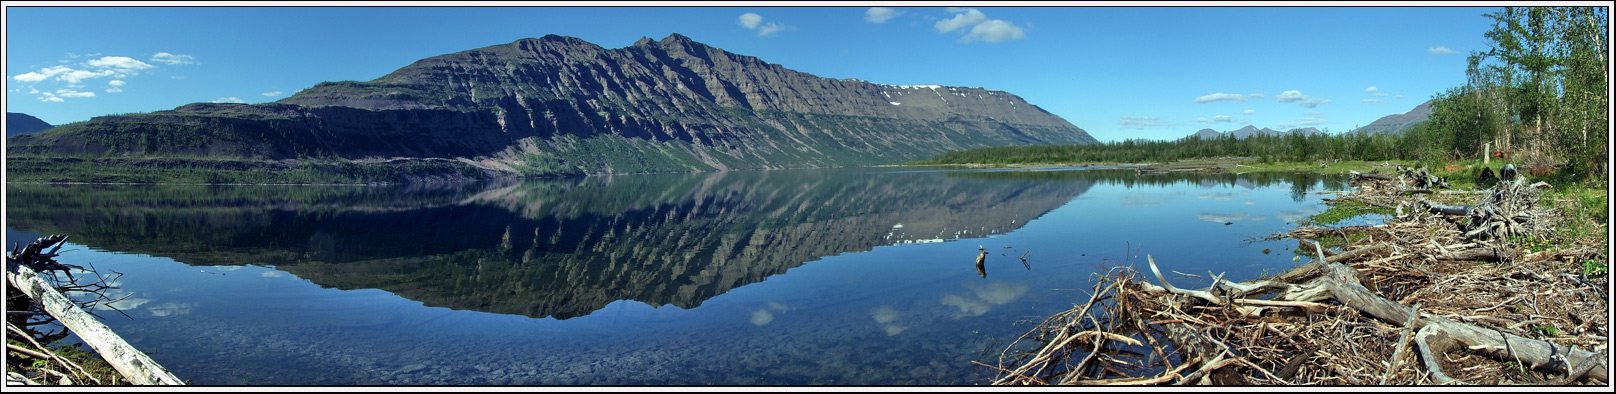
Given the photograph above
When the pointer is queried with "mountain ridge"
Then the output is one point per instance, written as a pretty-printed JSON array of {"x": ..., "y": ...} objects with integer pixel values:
[
  {"x": 21, "y": 123},
  {"x": 1397, "y": 123},
  {"x": 559, "y": 105},
  {"x": 1249, "y": 130}
]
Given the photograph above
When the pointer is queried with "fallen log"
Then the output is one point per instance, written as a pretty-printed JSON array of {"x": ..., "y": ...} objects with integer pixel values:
[
  {"x": 1446, "y": 209},
  {"x": 139, "y": 368},
  {"x": 1339, "y": 282},
  {"x": 1488, "y": 253},
  {"x": 1359, "y": 175}
]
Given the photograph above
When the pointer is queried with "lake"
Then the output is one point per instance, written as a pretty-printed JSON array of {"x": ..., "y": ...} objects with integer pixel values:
[{"x": 862, "y": 276}]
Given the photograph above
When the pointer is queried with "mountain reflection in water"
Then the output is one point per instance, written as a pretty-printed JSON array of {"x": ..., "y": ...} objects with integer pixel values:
[{"x": 567, "y": 247}]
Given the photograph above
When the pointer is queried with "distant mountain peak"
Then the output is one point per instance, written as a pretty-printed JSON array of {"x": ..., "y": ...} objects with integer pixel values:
[
  {"x": 1248, "y": 131},
  {"x": 1397, "y": 123},
  {"x": 21, "y": 123}
]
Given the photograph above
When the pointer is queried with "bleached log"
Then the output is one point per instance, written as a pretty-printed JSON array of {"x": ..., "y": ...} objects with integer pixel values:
[
  {"x": 1445, "y": 209},
  {"x": 1489, "y": 253},
  {"x": 1339, "y": 281},
  {"x": 135, "y": 366}
]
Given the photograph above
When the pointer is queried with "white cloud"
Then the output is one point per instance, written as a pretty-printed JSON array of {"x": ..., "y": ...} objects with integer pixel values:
[
  {"x": 272, "y": 94},
  {"x": 1398, "y": 96},
  {"x": 1312, "y": 122},
  {"x": 994, "y": 31},
  {"x": 880, "y": 14},
  {"x": 1245, "y": 121},
  {"x": 1290, "y": 96},
  {"x": 1371, "y": 89},
  {"x": 1381, "y": 95},
  {"x": 75, "y": 76},
  {"x": 173, "y": 59},
  {"x": 114, "y": 90},
  {"x": 73, "y": 93},
  {"x": 1284, "y": 126},
  {"x": 981, "y": 28},
  {"x": 1439, "y": 50},
  {"x": 51, "y": 99},
  {"x": 42, "y": 74},
  {"x": 1216, "y": 119},
  {"x": 1247, "y": 112},
  {"x": 229, "y": 100},
  {"x": 1371, "y": 101},
  {"x": 31, "y": 76},
  {"x": 115, "y": 82},
  {"x": 1257, "y": 95},
  {"x": 1293, "y": 96},
  {"x": 119, "y": 62},
  {"x": 964, "y": 17},
  {"x": 1315, "y": 114},
  {"x": 771, "y": 28},
  {"x": 1219, "y": 97},
  {"x": 1141, "y": 122},
  {"x": 749, "y": 20},
  {"x": 755, "y": 22}
]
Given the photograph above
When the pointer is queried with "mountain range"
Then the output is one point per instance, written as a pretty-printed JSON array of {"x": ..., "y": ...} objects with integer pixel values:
[
  {"x": 1248, "y": 131},
  {"x": 562, "y": 106}
]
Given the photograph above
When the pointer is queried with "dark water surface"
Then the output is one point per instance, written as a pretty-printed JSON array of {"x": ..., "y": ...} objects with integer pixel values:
[{"x": 799, "y": 277}]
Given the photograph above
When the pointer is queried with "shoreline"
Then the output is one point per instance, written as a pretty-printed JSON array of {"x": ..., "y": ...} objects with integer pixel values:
[{"x": 1293, "y": 328}]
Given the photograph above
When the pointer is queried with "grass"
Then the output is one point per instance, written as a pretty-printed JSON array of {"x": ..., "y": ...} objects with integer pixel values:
[{"x": 1343, "y": 210}]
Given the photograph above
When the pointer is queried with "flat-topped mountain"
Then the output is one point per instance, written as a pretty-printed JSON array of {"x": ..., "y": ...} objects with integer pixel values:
[{"x": 560, "y": 105}]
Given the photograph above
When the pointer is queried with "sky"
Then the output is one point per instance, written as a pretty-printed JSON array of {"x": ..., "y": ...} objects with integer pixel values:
[{"x": 1159, "y": 72}]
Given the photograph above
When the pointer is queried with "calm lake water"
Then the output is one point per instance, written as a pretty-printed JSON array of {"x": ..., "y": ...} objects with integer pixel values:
[{"x": 794, "y": 277}]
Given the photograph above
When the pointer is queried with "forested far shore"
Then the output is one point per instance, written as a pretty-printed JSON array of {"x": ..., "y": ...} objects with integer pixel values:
[{"x": 1537, "y": 96}]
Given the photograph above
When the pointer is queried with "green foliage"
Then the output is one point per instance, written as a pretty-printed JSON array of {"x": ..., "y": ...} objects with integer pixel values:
[
  {"x": 1265, "y": 148},
  {"x": 1593, "y": 267},
  {"x": 1531, "y": 244},
  {"x": 1548, "y": 330},
  {"x": 1343, "y": 210},
  {"x": 1541, "y": 89}
]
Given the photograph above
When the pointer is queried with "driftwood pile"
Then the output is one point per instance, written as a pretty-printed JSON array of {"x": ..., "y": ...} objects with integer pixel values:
[
  {"x": 37, "y": 296},
  {"x": 1424, "y": 299}
]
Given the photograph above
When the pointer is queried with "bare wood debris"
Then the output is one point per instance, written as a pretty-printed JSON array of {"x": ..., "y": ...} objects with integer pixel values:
[
  {"x": 36, "y": 284},
  {"x": 1432, "y": 297}
]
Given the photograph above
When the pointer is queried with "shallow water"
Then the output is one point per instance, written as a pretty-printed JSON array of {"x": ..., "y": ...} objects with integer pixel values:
[{"x": 795, "y": 277}]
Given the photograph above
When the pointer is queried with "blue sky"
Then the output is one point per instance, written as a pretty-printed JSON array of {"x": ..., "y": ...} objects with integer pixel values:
[{"x": 1117, "y": 72}]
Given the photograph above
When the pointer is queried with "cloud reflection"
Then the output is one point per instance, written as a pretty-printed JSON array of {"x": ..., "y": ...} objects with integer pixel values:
[
  {"x": 1140, "y": 199},
  {"x": 171, "y": 309},
  {"x": 1293, "y": 215},
  {"x": 888, "y": 319},
  {"x": 985, "y": 298},
  {"x": 1221, "y": 217},
  {"x": 762, "y": 317}
]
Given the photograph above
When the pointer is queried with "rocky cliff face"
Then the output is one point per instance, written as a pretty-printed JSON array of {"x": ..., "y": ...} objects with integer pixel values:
[{"x": 559, "y": 105}]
